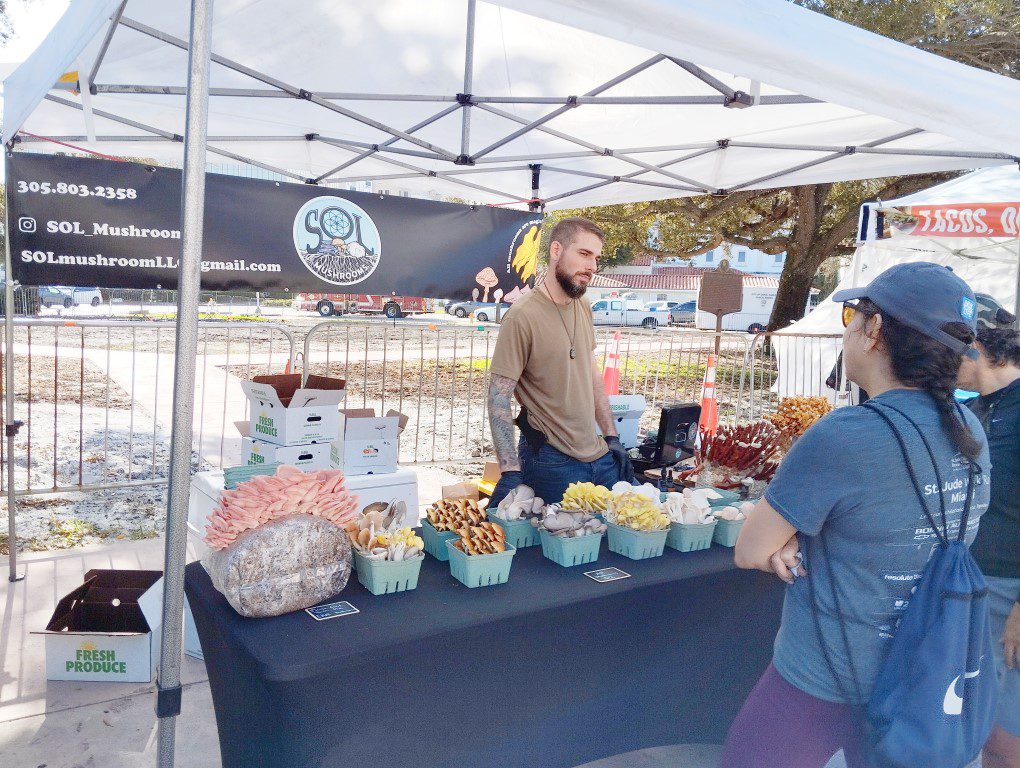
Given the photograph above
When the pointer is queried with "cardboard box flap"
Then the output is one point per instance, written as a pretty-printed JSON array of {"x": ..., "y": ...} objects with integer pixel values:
[
  {"x": 151, "y": 605},
  {"x": 62, "y": 614},
  {"x": 106, "y": 602},
  {"x": 243, "y": 428},
  {"x": 358, "y": 413},
  {"x": 401, "y": 419},
  {"x": 308, "y": 398},
  {"x": 323, "y": 390},
  {"x": 262, "y": 393}
]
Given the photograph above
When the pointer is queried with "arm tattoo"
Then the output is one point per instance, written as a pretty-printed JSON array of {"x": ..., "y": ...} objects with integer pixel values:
[
  {"x": 501, "y": 422},
  {"x": 603, "y": 413}
]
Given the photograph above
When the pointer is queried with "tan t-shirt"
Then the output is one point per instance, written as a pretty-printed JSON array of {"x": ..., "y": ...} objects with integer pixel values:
[{"x": 533, "y": 348}]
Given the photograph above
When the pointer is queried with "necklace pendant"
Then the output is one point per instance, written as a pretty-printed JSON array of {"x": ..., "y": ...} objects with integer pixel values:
[{"x": 573, "y": 353}]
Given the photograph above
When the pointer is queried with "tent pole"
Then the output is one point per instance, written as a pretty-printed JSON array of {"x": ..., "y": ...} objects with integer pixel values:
[
  {"x": 10, "y": 425},
  {"x": 168, "y": 693},
  {"x": 469, "y": 58}
]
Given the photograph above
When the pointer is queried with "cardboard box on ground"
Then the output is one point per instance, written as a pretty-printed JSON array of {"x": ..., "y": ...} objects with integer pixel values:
[{"x": 107, "y": 629}]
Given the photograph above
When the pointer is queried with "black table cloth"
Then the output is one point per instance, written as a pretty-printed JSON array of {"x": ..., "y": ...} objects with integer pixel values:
[{"x": 549, "y": 670}]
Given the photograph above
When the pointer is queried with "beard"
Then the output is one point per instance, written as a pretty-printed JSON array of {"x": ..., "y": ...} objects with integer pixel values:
[{"x": 572, "y": 289}]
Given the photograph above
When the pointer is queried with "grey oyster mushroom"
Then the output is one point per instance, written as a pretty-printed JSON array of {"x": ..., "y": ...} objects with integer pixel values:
[
  {"x": 560, "y": 522},
  {"x": 520, "y": 504}
]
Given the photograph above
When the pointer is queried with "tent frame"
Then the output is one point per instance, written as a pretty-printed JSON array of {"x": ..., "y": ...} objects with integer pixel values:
[
  {"x": 464, "y": 162},
  {"x": 482, "y": 159}
]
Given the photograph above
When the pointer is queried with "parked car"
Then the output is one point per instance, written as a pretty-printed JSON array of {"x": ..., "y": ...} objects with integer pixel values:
[
  {"x": 628, "y": 312},
  {"x": 484, "y": 311},
  {"x": 680, "y": 313},
  {"x": 685, "y": 313},
  {"x": 68, "y": 296}
]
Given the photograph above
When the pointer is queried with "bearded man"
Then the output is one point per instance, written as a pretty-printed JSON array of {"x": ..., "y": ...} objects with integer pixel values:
[{"x": 545, "y": 356}]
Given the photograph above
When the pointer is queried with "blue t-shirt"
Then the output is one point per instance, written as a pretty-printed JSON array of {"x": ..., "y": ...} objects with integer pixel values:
[{"x": 847, "y": 473}]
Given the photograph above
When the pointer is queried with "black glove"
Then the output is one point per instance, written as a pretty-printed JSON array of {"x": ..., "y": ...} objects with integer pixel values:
[
  {"x": 507, "y": 482},
  {"x": 621, "y": 458}
]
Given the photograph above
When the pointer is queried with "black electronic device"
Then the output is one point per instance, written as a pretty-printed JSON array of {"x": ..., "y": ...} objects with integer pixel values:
[{"x": 678, "y": 428}]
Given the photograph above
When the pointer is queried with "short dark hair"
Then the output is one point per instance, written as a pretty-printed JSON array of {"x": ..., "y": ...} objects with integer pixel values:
[
  {"x": 999, "y": 340},
  {"x": 567, "y": 229}
]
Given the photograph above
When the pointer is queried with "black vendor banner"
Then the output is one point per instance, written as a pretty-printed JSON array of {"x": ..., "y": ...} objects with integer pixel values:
[{"x": 85, "y": 222}]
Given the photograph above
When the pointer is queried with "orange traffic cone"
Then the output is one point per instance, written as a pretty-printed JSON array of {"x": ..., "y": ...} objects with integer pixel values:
[
  {"x": 299, "y": 356},
  {"x": 611, "y": 373},
  {"x": 709, "y": 420}
]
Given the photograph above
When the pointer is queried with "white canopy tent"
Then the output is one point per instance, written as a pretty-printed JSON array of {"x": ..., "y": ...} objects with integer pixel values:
[
  {"x": 547, "y": 103},
  {"x": 989, "y": 264}
]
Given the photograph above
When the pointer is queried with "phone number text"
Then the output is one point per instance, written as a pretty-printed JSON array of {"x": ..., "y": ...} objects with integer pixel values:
[{"x": 80, "y": 190}]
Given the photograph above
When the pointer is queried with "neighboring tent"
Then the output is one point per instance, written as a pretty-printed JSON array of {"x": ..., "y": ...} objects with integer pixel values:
[
  {"x": 575, "y": 104},
  {"x": 989, "y": 264}
]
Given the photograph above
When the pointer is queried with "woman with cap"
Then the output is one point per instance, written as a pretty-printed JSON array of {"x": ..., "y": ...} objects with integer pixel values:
[
  {"x": 995, "y": 374},
  {"x": 847, "y": 476}
]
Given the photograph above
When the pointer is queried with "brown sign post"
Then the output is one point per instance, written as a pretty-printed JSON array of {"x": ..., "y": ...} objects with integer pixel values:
[{"x": 722, "y": 293}]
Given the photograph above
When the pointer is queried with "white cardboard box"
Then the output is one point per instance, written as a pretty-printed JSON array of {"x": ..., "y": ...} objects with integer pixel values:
[
  {"x": 627, "y": 411},
  {"x": 307, "y": 457},
  {"x": 368, "y": 443},
  {"x": 107, "y": 629},
  {"x": 308, "y": 415}
]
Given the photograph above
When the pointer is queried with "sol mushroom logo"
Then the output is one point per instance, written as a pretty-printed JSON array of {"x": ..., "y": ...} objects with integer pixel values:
[{"x": 336, "y": 240}]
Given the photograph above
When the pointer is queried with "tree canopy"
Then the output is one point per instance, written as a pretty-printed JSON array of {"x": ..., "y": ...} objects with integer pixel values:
[{"x": 816, "y": 222}]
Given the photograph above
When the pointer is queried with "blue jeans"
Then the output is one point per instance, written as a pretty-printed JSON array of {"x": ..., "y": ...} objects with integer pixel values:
[
  {"x": 549, "y": 472},
  {"x": 1002, "y": 594}
]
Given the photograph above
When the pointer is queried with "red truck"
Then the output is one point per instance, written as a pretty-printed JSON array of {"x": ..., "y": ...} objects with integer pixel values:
[{"x": 327, "y": 304}]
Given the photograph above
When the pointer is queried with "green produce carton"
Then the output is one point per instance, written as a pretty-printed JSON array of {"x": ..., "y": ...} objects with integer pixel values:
[
  {"x": 726, "y": 532},
  {"x": 435, "y": 541},
  {"x": 480, "y": 570},
  {"x": 383, "y": 577},
  {"x": 637, "y": 545},
  {"x": 572, "y": 551},
  {"x": 519, "y": 533},
  {"x": 690, "y": 537}
]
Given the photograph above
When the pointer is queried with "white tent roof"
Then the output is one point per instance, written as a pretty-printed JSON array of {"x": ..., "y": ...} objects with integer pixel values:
[
  {"x": 988, "y": 185},
  {"x": 343, "y": 90}
]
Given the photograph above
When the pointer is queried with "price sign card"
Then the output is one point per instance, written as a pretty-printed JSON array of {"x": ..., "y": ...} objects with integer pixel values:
[
  {"x": 331, "y": 610},
  {"x": 602, "y": 575}
]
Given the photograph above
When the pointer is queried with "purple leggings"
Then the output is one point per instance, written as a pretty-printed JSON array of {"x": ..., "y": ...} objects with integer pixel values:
[{"x": 780, "y": 726}]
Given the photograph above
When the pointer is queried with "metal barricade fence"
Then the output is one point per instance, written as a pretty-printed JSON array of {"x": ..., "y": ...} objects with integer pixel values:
[
  {"x": 96, "y": 397},
  {"x": 436, "y": 375}
]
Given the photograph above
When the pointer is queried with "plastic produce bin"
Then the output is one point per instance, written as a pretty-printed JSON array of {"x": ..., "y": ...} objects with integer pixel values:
[
  {"x": 690, "y": 537},
  {"x": 480, "y": 570},
  {"x": 435, "y": 541},
  {"x": 572, "y": 551},
  {"x": 519, "y": 533},
  {"x": 383, "y": 577},
  {"x": 726, "y": 532},
  {"x": 637, "y": 545}
]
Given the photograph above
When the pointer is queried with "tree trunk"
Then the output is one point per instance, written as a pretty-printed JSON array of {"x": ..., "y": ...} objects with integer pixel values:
[{"x": 795, "y": 286}]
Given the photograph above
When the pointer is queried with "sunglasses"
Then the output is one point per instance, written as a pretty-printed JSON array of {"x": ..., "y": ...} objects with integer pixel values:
[{"x": 851, "y": 309}]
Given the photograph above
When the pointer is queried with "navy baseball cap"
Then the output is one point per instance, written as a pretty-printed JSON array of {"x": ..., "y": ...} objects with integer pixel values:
[{"x": 923, "y": 296}]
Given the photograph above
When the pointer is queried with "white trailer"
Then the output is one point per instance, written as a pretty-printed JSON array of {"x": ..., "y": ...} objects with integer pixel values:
[{"x": 754, "y": 316}]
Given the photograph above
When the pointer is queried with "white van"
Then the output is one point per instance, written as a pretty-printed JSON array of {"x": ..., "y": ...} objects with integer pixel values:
[{"x": 752, "y": 318}]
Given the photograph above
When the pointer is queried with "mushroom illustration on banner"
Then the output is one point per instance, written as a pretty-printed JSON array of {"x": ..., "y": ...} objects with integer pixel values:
[
  {"x": 487, "y": 279},
  {"x": 525, "y": 258}
]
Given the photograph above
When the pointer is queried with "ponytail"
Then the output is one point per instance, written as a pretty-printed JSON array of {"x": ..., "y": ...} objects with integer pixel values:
[{"x": 921, "y": 361}]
